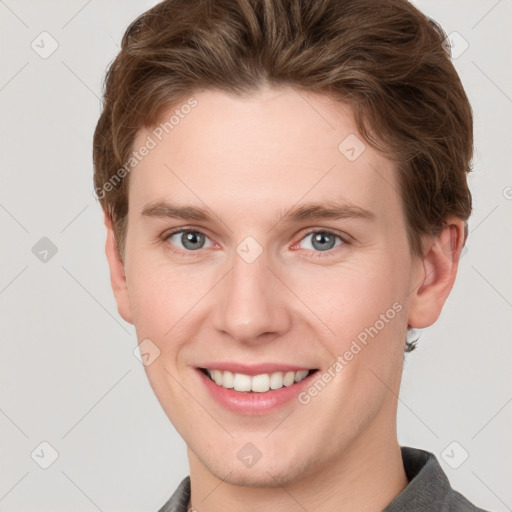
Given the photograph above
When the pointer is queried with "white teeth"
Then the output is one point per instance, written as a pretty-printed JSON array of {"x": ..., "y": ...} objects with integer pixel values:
[
  {"x": 242, "y": 382},
  {"x": 260, "y": 383},
  {"x": 301, "y": 375},
  {"x": 217, "y": 377},
  {"x": 228, "y": 380},
  {"x": 256, "y": 383},
  {"x": 276, "y": 380},
  {"x": 289, "y": 378}
]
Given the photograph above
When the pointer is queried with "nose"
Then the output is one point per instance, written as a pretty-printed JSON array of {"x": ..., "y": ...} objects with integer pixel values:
[{"x": 251, "y": 302}]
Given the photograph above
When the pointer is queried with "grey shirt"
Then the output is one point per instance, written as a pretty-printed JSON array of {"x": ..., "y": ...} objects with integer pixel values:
[{"x": 428, "y": 490}]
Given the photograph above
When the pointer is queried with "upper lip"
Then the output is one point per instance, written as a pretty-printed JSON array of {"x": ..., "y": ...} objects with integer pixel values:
[{"x": 254, "y": 369}]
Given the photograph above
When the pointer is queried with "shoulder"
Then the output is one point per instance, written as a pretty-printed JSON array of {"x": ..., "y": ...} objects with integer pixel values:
[
  {"x": 179, "y": 500},
  {"x": 455, "y": 502},
  {"x": 429, "y": 488}
]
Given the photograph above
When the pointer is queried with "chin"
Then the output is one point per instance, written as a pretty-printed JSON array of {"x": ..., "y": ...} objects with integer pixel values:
[
  {"x": 253, "y": 478},
  {"x": 271, "y": 473}
]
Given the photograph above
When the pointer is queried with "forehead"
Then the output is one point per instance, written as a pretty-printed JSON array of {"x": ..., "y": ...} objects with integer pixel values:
[{"x": 271, "y": 149}]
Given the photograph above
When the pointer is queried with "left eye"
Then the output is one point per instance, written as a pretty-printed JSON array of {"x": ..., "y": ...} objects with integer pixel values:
[{"x": 323, "y": 240}]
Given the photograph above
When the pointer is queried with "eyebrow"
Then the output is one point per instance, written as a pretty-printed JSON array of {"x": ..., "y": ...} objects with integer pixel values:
[{"x": 308, "y": 211}]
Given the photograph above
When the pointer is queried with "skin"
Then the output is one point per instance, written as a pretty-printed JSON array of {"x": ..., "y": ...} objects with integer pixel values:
[{"x": 249, "y": 160}]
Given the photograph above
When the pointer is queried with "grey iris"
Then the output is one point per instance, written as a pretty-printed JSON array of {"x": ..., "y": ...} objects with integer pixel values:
[
  {"x": 192, "y": 240},
  {"x": 323, "y": 241}
]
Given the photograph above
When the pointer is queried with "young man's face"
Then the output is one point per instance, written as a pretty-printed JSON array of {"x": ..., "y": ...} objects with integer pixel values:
[{"x": 252, "y": 285}]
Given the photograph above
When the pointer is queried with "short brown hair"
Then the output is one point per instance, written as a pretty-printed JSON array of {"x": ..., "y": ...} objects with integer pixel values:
[{"x": 383, "y": 57}]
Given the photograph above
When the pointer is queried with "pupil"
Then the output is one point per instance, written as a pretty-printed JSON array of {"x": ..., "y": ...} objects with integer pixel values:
[
  {"x": 191, "y": 239},
  {"x": 321, "y": 238}
]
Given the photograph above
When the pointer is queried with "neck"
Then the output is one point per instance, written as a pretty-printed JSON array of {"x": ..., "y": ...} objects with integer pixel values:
[{"x": 366, "y": 477}]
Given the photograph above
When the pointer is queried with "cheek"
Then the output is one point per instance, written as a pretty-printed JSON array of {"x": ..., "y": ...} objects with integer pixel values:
[
  {"x": 164, "y": 299},
  {"x": 352, "y": 296}
]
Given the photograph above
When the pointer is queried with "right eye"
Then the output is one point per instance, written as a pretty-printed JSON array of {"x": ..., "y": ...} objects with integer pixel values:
[{"x": 191, "y": 240}]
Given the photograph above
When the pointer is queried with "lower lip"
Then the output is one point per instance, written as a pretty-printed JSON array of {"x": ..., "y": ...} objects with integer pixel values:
[{"x": 254, "y": 403}]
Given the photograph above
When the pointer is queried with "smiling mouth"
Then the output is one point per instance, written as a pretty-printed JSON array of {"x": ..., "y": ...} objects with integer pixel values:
[{"x": 261, "y": 383}]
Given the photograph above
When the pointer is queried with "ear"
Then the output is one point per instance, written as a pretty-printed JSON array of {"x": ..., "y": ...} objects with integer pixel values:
[
  {"x": 117, "y": 276},
  {"x": 435, "y": 273}
]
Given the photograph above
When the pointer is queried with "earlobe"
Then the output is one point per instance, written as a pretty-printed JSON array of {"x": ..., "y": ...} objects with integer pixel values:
[
  {"x": 435, "y": 274},
  {"x": 117, "y": 274}
]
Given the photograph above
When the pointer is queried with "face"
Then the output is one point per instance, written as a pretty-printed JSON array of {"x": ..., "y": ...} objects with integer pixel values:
[{"x": 263, "y": 244}]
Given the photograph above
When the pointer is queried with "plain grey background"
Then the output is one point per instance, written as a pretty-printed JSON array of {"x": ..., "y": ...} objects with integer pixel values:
[{"x": 68, "y": 375}]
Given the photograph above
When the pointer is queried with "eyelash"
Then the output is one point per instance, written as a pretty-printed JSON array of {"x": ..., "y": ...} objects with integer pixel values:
[{"x": 316, "y": 254}]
